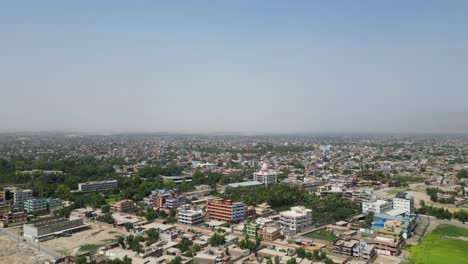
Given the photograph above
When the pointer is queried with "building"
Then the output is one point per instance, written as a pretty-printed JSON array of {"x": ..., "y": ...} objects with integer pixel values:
[
  {"x": 378, "y": 206},
  {"x": 364, "y": 250},
  {"x": 174, "y": 203},
  {"x": 123, "y": 206},
  {"x": 6, "y": 195},
  {"x": 345, "y": 246},
  {"x": 158, "y": 198},
  {"x": 54, "y": 203},
  {"x": 4, "y": 208},
  {"x": 13, "y": 219},
  {"x": 243, "y": 184},
  {"x": 407, "y": 222},
  {"x": 50, "y": 227},
  {"x": 263, "y": 210},
  {"x": 190, "y": 217},
  {"x": 266, "y": 175},
  {"x": 177, "y": 179},
  {"x": 295, "y": 220},
  {"x": 250, "y": 229},
  {"x": 404, "y": 201},
  {"x": 387, "y": 240},
  {"x": 269, "y": 233},
  {"x": 35, "y": 205},
  {"x": 21, "y": 196},
  {"x": 97, "y": 186},
  {"x": 227, "y": 210}
]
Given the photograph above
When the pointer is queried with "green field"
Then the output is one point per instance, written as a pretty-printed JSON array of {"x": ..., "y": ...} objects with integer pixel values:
[
  {"x": 446, "y": 244},
  {"x": 113, "y": 198},
  {"x": 88, "y": 247},
  {"x": 323, "y": 235}
]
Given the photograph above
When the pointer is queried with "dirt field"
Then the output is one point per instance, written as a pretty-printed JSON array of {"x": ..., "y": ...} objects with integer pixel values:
[
  {"x": 13, "y": 254},
  {"x": 382, "y": 259},
  {"x": 418, "y": 190},
  {"x": 93, "y": 236}
]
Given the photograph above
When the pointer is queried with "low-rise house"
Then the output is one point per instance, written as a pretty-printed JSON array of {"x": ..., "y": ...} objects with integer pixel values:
[
  {"x": 345, "y": 246},
  {"x": 269, "y": 233},
  {"x": 123, "y": 206}
]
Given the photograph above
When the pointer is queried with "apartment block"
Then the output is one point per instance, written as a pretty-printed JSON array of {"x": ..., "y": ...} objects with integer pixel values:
[
  {"x": 404, "y": 201},
  {"x": 376, "y": 206},
  {"x": 226, "y": 210},
  {"x": 174, "y": 203},
  {"x": 250, "y": 229},
  {"x": 388, "y": 240},
  {"x": 158, "y": 198},
  {"x": 35, "y": 205},
  {"x": 190, "y": 217},
  {"x": 13, "y": 219},
  {"x": 21, "y": 196},
  {"x": 97, "y": 186},
  {"x": 295, "y": 220}
]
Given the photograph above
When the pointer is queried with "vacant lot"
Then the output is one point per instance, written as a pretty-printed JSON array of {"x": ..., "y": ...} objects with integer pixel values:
[
  {"x": 446, "y": 244},
  {"x": 89, "y": 239},
  {"x": 323, "y": 235},
  {"x": 12, "y": 253}
]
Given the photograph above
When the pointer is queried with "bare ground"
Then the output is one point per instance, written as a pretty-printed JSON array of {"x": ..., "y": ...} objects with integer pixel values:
[{"x": 18, "y": 254}]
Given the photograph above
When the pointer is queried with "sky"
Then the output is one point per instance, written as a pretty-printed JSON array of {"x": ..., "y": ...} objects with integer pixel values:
[{"x": 234, "y": 66}]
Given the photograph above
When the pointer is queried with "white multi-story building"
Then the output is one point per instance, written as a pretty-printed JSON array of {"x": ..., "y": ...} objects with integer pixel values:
[
  {"x": 35, "y": 205},
  {"x": 377, "y": 206},
  {"x": 295, "y": 220},
  {"x": 190, "y": 217},
  {"x": 21, "y": 196},
  {"x": 97, "y": 186},
  {"x": 266, "y": 175},
  {"x": 404, "y": 201}
]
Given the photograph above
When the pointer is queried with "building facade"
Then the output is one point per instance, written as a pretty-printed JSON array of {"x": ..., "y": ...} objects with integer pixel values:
[
  {"x": 190, "y": 217},
  {"x": 266, "y": 176},
  {"x": 404, "y": 201},
  {"x": 378, "y": 206},
  {"x": 13, "y": 219},
  {"x": 295, "y": 220},
  {"x": 226, "y": 210},
  {"x": 269, "y": 233},
  {"x": 97, "y": 186},
  {"x": 35, "y": 205},
  {"x": 123, "y": 206},
  {"x": 48, "y": 228},
  {"x": 21, "y": 196}
]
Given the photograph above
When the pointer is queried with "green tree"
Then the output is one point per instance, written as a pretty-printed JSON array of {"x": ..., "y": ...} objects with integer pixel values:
[
  {"x": 105, "y": 209},
  {"x": 169, "y": 184},
  {"x": 185, "y": 244},
  {"x": 217, "y": 240},
  {"x": 81, "y": 260},
  {"x": 277, "y": 260}
]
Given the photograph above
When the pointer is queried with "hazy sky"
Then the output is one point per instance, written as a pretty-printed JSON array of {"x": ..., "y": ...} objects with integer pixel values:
[{"x": 255, "y": 66}]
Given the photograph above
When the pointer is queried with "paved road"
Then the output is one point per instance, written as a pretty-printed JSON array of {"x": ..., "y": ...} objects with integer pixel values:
[{"x": 33, "y": 245}]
